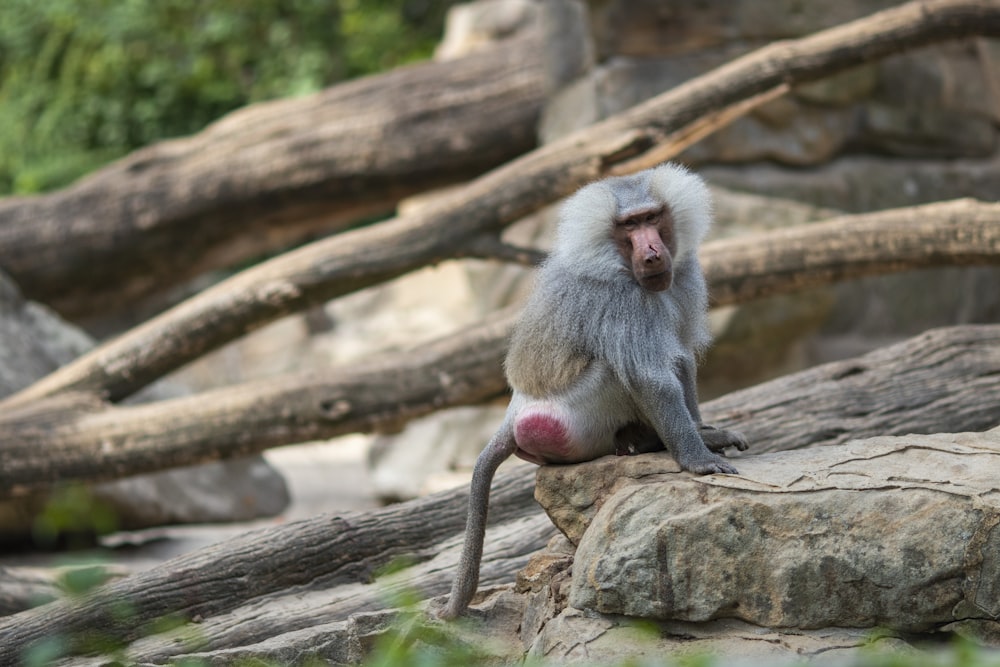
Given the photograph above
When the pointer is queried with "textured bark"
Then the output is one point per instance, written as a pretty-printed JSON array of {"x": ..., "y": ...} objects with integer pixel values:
[
  {"x": 269, "y": 176},
  {"x": 455, "y": 227},
  {"x": 961, "y": 232},
  {"x": 76, "y": 437},
  {"x": 317, "y": 553},
  {"x": 942, "y": 381},
  {"x": 301, "y": 577}
]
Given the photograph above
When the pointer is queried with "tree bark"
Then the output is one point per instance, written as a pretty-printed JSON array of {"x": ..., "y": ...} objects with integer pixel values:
[
  {"x": 455, "y": 227},
  {"x": 270, "y": 176},
  {"x": 960, "y": 232},
  {"x": 74, "y": 436},
  {"x": 312, "y": 573}
]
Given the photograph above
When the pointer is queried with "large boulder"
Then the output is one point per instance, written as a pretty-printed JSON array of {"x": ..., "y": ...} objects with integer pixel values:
[
  {"x": 34, "y": 341},
  {"x": 898, "y": 532}
]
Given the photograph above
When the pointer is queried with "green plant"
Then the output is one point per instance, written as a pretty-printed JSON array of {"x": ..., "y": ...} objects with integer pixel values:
[{"x": 83, "y": 82}]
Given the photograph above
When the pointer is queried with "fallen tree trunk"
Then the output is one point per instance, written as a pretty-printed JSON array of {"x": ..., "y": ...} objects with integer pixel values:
[
  {"x": 269, "y": 176},
  {"x": 276, "y": 581},
  {"x": 457, "y": 226},
  {"x": 75, "y": 436},
  {"x": 957, "y": 233}
]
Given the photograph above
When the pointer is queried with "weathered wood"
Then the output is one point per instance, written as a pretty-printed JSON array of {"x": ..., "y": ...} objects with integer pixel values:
[
  {"x": 942, "y": 381},
  {"x": 347, "y": 262},
  {"x": 69, "y": 438},
  {"x": 960, "y": 232},
  {"x": 269, "y": 176},
  {"x": 310, "y": 573},
  {"x": 322, "y": 552},
  {"x": 73, "y": 436}
]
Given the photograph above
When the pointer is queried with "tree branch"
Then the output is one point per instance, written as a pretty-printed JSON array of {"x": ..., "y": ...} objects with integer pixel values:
[
  {"x": 960, "y": 232},
  {"x": 489, "y": 246}
]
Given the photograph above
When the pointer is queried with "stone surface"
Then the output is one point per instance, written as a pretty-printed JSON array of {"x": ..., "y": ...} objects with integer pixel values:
[
  {"x": 647, "y": 28},
  {"x": 928, "y": 103},
  {"x": 422, "y": 459},
  {"x": 590, "y": 638},
  {"x": 473, "y": 26},
  {"x": 897, "y": 532},
  {"x": 865, "y": 183},
  {"x": 34, "y": 341},
  {"x": 935, "y": 106}
]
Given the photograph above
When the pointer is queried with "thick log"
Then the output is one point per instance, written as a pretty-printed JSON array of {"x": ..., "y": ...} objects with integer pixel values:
[
  {"x": 308, "y": 574},
  {"x": 76, "y": 437},
  {"x": 960, "y": 232},
  {"x": 270, "y": 176},
  {"x": 455, "y": 226}
]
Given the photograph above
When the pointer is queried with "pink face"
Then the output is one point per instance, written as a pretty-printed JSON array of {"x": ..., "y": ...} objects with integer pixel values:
[{"x": 645, "y": 238}]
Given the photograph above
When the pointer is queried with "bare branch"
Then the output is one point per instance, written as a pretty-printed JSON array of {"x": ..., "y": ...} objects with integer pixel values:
[
  {"x": 489, "y": 246},
  {"x": 959, "y": 232}
]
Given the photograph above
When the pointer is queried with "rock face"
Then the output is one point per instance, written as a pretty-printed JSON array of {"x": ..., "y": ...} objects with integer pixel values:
[
  {"x": 34, "y": 341},
  {"x": 910, "y": 129},
  {"x": 579, "y": 637},
  {"x": 897, "y": 532}
]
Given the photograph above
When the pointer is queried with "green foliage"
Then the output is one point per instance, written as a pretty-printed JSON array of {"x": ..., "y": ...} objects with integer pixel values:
[
  {"x": 85, "y": 81},
  {"x": 72, "y": 513}
]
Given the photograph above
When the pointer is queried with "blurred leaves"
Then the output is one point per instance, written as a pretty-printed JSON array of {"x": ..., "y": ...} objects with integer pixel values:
[
  {"x": 83, "y": 82},
  {"x": 73, "y": 515}
]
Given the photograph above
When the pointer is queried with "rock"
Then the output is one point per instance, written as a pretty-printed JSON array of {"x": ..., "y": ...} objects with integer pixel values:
[
  {"x": 865, "y": 183},
  {"x": 34, "y": 341},
  {"x": 841, "y": 89},
  {"x": 217, "y": 492},
  {"x": 909, "y": 132},
  {"x": 760, "y": 340},
  {"x": 866, "y": 110},
  {"x": 929, "y": 102},
  {"x": 652, "y": 28},
  {"x": 544, "y": 583},
  {"x": 952, "y": 76},
  {"x": 474, "y": 26},
  {"x": 422, "y": 458},
  {"x": 738, "y": 212},
  {"x": 23, "y": 588},
  {"x": 784, "y": 131},
  {"x": 896, "y": 532},
  {"x": 587, "y": 637},
  {"x": 935, "y": 105}
]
